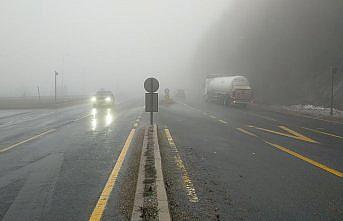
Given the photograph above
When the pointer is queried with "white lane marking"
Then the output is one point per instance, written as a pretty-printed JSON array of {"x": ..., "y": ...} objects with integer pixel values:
[{"x": 27, "y": 140}]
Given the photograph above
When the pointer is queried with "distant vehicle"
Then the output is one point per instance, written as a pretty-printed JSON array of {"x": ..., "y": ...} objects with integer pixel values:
[
  {"x": 103, "y": 99},
  {"x": 228, "y": 90},
  {"x": 180, "y": 94}
]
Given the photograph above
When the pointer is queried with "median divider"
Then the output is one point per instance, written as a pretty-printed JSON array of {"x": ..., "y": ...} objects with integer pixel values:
[{"x": 151, "y": 201}]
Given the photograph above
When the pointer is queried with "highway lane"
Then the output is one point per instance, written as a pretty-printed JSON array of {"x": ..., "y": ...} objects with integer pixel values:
[
  {"x": 26, "y": 124},
  {"x": 60, "y": 175},
  {"x": 328, "y": 134},
  {"x": 250, "y": 164},
  {"x": 219, "y": 163}
]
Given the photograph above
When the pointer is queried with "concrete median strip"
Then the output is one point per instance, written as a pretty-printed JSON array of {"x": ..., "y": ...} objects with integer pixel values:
[{"x": 151, "y": 201}]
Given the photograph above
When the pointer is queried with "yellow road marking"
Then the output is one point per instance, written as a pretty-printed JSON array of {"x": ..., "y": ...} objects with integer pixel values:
[
  {"x": 291, "y": 134},
  {"x": 135, "y": 125},
  {"x": 298, "y": 135},
  {"x": 322, "y": 132},
  {"x": 103, "y": 199},
  {"x": 297, "y": 155},
  {"x": 187, "y": 182},
  {"x": 27, "y": 140},
  {"x": 222, "y": 121},
  {"x": 308, "y": 160},
  {"x": 246, "y": 132}
]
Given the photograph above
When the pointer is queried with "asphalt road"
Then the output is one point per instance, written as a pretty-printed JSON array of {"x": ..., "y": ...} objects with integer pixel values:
[
  {"x": 219, "y": 163},
  {"x": 225, "y": 163},
  {"x": 54, "y": 164}
]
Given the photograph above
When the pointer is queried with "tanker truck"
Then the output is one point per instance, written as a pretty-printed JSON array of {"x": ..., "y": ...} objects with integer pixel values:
[{"x": 228, "y": 90}]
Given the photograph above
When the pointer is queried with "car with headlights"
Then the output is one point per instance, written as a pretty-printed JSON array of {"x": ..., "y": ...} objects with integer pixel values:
[{"x": 103, "y": 99}]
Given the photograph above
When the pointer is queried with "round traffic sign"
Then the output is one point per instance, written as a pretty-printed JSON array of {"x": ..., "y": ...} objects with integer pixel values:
[{"x": 151, "y": 85}]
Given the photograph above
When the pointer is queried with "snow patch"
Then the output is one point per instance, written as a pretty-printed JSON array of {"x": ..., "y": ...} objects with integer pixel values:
[{"x": 313, "y": 110}]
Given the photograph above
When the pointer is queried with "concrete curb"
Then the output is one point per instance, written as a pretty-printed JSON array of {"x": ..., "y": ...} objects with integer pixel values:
[
  {"x": 161, "y": 194},
  {"x": 139, "y": 195}
]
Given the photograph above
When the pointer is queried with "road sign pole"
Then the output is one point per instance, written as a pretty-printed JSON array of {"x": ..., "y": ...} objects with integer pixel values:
[
  {"x": 151, "y": 103},
  {"x": 151, "y": 118},
  {"x": 151, "y": 85}
]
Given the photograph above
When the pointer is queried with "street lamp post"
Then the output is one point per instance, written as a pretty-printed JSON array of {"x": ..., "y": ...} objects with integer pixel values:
[
  {"x": 56, "y": 73},
  {"x": 333, "y": 72},
  {"x": 38, "y": 93}
]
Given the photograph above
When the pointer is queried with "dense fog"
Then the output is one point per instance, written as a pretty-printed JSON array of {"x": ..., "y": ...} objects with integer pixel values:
[
  {"x": 284, "y": 47},
  {"x": 99, "y": 44}
]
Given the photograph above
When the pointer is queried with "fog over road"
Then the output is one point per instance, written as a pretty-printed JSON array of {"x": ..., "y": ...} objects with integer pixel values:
[
  {"x": 219, "y": 163},
  {"x": 249, "y": 123}
]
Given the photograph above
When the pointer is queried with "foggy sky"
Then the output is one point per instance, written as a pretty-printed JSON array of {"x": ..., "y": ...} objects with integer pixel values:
[
  {"x": 284, "y": 47},
  {"x": 99, "y": 44}
]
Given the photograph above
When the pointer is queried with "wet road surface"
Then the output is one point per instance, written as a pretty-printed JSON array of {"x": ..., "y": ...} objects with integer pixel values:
[
  {"x": 219, "y": 163},
  {"x": 226, "y": 163},
  {"x": 59, "y": 175}
]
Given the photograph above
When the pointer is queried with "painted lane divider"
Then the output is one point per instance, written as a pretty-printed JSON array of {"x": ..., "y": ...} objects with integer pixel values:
[
  {"x": 136, "y": 124},
  {"x": 306, "y": 159},
  {"x": 223, "y": 121},
  {"x": 27, "y": 140},
  {"x": 290, "y": 133},
  {"x": 246, "y": 132},
  {"x": 187, "y": 182},
  {"x": 322, "y": 132},
  {"x": 105, "y": 195},
  {"x": 295, "y": 154},
  {"x": 82, "y": 117}
]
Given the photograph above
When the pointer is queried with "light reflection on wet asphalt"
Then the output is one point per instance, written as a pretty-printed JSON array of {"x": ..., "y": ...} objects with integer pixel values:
[{"x": 101, "y": 118}]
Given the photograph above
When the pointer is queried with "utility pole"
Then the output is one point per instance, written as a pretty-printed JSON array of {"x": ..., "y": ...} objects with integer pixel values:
[
  {"x": 56, "y": 73},
  {"x": 38, "y": 93},
  {"x": 333, "y": 72}
]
